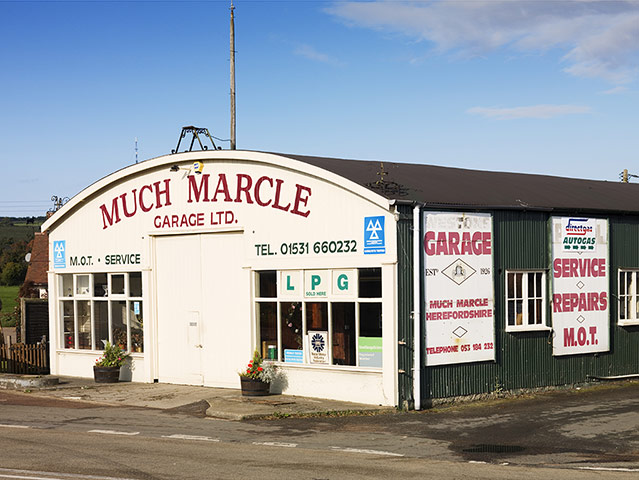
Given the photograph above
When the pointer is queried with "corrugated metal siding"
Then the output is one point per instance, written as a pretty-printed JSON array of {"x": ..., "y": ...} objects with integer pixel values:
[
  {"x": 524, "y": 359},
  {"x": 405, "y": 305},
  {"x": 624, "y": 253},
  {"x": 521, "y": 242}
]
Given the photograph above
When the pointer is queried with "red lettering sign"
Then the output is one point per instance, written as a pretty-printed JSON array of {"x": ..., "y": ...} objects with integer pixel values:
[{"x": 265, "y": 192}]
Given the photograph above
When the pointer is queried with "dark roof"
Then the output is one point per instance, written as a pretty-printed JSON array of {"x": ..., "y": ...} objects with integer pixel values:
[
  {"x": 39, "y": 262},
  {"x": 456, "y": 187}
]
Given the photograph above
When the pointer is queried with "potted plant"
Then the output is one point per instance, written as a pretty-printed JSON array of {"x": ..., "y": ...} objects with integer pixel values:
[
  {"x": 256, "y": 379},
  {"x": 107, "y": 367}
]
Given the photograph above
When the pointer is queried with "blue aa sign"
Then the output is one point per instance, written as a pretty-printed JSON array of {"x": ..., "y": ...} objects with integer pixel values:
[
  {"x": 60, "y": 254},
  {"x": 374, "y": 235}
]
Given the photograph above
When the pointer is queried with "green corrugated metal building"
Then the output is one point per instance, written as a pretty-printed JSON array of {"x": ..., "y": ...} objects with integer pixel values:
[{"x": 543, "y": 335}]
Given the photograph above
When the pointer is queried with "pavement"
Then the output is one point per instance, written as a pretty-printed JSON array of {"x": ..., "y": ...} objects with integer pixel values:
[{"x": 204, "y": 401}]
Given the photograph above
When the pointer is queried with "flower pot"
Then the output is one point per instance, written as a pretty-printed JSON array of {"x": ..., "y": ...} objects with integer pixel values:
[
  {"x": 106, "y": 374},
  {"x": 254, "y": 388}
]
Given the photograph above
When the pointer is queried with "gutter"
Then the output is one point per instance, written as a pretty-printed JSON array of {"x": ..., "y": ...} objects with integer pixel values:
[
  {"x": 615, "y": 377},
  {"x": 417, "y": 344}
]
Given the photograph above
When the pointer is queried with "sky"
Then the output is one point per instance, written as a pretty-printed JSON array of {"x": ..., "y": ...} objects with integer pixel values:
[{"x": 546, "y": 86}]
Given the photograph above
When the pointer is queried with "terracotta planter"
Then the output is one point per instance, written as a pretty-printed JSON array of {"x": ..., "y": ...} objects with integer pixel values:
[
  {"x": 106, "y": 374},
  {"x": 254, "y": 388}
]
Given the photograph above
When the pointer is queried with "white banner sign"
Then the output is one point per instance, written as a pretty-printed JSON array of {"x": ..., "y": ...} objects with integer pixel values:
[
  {"x": 318, "y": 347},
  {"x": 459, "y": 298},
  {"x": 580, "y": 300}
]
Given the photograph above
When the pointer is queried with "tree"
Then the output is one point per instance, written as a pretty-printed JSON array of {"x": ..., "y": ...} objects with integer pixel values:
[
  {"x": 13, "y": 268},
  {"x": 13, "y": 273}
]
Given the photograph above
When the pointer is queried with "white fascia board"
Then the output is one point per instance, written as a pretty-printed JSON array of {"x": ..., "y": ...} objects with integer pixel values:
[{"x": 281, "y": 161}]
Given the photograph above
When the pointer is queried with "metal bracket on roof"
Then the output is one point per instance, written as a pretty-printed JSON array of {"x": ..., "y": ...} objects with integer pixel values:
[
  {"x": 58, "y": 203},
  {"x": 195, "y": 132},
  {"x": 389, "y": 189}
]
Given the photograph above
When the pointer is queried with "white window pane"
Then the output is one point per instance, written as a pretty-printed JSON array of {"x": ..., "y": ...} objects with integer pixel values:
[
  {"x": 511, "y": 312},
  {"x": 84, "y": 325},
  {"x": 66, "y": 285},
  {"x": 82, "y": 284},
  {"x": 118, "y": 324},
  {"x": 511, "y": 285},
  {"x": 68, "y": 324},
  {"x": 117, "y": 284},
  {"x": 135, "y": 284},
  {"x": 101, "y": 312},
  {"x": 100, "y": 285}
]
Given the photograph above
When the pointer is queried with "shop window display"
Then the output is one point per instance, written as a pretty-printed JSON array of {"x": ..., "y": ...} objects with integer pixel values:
[
  {"x": 101, "y": 307},
  {"x": 348, "y": 321}
]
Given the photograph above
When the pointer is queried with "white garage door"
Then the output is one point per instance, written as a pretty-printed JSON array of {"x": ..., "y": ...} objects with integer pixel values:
[{"x": 203, "y": 309}]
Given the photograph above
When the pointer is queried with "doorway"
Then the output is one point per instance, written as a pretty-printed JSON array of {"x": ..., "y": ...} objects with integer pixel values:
[{"x": 203, "y": 312}]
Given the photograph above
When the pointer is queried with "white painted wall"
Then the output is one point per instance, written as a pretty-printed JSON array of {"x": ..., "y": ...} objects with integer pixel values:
[
  {"x": 337, "y": 383},
  {"x": 295, "y": 203}
]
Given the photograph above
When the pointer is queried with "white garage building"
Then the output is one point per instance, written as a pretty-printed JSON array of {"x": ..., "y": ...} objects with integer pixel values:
[{"x": 192, "y": 260}]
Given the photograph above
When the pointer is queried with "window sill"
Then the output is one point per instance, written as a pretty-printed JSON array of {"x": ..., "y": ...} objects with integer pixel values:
[
  {"x": 528, "y": 328},
  {"x": 334, "y": 368},
  {"x": 628, "y": 323},
  {"x": 81, "y": 351}
]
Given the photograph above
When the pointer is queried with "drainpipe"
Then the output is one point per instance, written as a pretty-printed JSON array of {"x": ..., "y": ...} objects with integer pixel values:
[{"x": 417, "y": 343}]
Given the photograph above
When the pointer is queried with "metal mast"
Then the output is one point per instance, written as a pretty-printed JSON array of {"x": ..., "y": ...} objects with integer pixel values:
[{"x": 232, "y": 78}]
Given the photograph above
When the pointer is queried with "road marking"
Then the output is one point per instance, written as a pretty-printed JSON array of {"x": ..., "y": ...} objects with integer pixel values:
[
  {"x": 276, "y": 444},
  {"x": 191, "y": 437},
  {"x": 14, "y": 426},
  {"x": 34, "y": 475},
  {"x": 363, "y": 450},
  {"x": 610, "y": 469},
  {"x": 2, "y": 475},
  {"x": 114, "y": 432}
]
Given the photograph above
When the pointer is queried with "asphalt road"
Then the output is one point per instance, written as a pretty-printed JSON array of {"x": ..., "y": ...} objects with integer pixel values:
[{"x": 592, "y": 433}]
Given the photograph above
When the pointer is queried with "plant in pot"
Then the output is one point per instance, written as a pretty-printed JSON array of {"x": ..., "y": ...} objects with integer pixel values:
[
  {"x": 256, "y": 379},
  {"x": 107, "y": 367}
]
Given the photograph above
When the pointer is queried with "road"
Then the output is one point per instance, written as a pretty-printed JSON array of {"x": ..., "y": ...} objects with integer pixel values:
[{"x": 562, "y": 435}]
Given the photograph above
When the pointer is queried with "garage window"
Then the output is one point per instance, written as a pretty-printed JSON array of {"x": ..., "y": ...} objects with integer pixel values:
[
  {"x": 628, "y": 297},
  {"x": 100, "y": 307},
  {"x": 525, "y": 300},
  {"x": 323, "y": 317}
]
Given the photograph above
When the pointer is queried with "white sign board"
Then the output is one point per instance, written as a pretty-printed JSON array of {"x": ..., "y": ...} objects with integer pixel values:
[
  {"x": 459, "y": 298},
  {"x": 318, "y": 346},
  {"x": 344, "y": 283},
  {"x": 317, "y": 283},
  {"x": 290, "y": 283},
  {"x": 580, "y": 301}
]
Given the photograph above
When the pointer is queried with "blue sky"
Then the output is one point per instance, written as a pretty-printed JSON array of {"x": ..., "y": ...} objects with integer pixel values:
[{"x": 544, "y": 87}]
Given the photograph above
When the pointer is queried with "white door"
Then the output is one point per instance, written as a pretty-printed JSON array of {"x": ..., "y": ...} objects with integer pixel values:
[
  {"x": 225, "y": 309},
  {"x": 203, "y": 299},
  {"x": 179, "y": 300}
]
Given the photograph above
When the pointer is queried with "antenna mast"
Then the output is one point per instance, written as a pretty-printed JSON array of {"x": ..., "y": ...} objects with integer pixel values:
[
  {"x": 136, "y": 149},
  {"x": 232, "y": 78}
]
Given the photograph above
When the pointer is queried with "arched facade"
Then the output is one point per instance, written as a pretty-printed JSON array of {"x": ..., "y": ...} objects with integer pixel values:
[{"x": 191, "y": 261}]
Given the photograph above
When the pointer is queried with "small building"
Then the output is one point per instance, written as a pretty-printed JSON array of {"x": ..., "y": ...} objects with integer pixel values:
[
  {"x": 383, "y": 283},
  {"x": 34, "y": 306}
]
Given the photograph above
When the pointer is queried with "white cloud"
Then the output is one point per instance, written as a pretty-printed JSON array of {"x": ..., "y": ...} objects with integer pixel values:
[
  {"x": 310, "y": 53},
  {"x": 615, "y": 90},
  {"x": 600, "y": 37},
  {"x": 533, "y": 111}
]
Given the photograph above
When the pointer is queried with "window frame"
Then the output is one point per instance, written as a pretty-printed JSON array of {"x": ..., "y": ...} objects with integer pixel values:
[
  {"x": 525, "y": 299},
  {"x": 332, "y": 299},
  {"x": 633, "y": 297},
  {"x": 70, "y": 281}
]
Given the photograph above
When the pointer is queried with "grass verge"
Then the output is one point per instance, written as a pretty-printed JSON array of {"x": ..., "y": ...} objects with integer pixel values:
[{"x": 9, "y": 298}]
